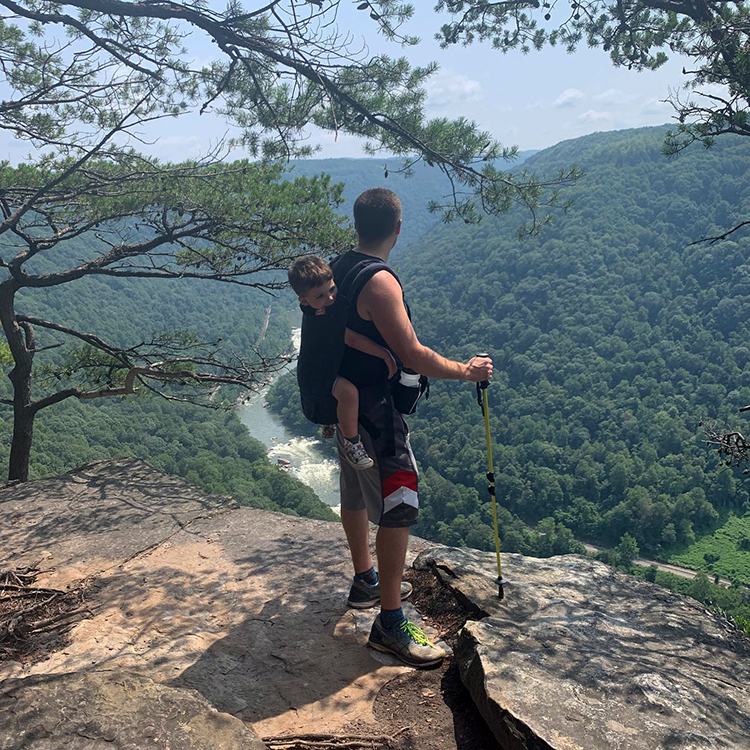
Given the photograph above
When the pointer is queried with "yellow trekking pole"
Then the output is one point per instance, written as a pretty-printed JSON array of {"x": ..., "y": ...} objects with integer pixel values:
[{"x": 483, "y": 401}]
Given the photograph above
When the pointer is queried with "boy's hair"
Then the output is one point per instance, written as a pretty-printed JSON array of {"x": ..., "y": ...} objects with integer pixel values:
[
  {"x": 308, "y": 272},
  {"x": 376, "y": 213}
]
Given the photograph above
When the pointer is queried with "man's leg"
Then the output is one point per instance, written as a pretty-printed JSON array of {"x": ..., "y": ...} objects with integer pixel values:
[
  {"x": 392, "y": 632},
  {"x": 357, "y": 535},
  {"x": 391, "y": 544},
  {"x": 365, "y": 590}
]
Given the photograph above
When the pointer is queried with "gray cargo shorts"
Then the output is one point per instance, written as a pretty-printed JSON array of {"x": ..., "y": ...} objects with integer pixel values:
[{"x": 387, "y": 490}]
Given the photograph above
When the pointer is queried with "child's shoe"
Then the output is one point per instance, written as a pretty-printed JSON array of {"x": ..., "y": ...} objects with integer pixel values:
[
  {"x": 356, "y": 455},
  {"x": 328, "y": 431}
]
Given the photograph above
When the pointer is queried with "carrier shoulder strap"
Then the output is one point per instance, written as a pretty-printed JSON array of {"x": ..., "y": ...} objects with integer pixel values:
[{"x": 359, "y": 274}]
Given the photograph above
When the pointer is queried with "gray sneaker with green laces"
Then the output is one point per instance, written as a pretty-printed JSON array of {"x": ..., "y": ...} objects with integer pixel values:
[
  {"x": 363, "y": 595},
  {"x": 407, "y": 642}
]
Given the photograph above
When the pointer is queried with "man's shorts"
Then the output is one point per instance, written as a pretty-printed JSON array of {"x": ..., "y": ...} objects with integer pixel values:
[{"x": 388, "y": 490}]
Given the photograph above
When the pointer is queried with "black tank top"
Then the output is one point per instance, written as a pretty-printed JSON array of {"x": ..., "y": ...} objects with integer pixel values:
[{"x": 360, "y": 368}]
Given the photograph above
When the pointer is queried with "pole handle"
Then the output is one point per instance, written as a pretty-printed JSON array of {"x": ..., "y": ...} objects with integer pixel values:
[{"x": 482, "y": 385}]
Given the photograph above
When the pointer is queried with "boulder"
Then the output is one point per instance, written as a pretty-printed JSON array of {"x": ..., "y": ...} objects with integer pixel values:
[
  {"x": 579, "y": 656},
  {"x": 118, "y": 710}
]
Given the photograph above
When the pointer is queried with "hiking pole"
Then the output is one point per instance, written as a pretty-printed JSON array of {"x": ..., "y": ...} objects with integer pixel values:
[{"x": 483, "y": 401}]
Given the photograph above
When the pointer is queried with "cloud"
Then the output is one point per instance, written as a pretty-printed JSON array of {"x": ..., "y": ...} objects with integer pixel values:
[
  {"x": 656, "y": 107},
  {"x": 592, "y": 115},
  {"x": 536, "y": 105},
  {"x": 568, "y": 98},
  {"x": 446, "y": 89},
  {"x": 614, "y": 97}
]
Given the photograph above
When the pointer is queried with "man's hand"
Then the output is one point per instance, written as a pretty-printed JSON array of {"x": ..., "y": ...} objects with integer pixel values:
[
  {"x": 390, "y": 363},
  {"x": 478, "y": 369}
]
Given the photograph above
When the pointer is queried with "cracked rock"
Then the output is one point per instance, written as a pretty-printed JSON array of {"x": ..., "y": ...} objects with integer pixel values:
[
  {"x": 117, "y": 710},
  {"x": 579, "y": 656}
]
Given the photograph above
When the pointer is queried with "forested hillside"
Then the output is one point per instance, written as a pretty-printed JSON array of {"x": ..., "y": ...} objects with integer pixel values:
[
  {"x": 209, "y": 447},
  {"x": 613, "y": 338},
  {"x": 125, "y": 311}
]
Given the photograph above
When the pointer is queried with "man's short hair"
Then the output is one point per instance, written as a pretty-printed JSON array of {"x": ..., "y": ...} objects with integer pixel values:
[
  {"x": 376, "y": 214},
  {"x": 307, "y": 272}
]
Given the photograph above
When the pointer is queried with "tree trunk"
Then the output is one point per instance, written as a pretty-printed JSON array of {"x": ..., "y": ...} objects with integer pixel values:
[
  {"x": 20, "y": 449},
  {"x": 21, "y": 343}
]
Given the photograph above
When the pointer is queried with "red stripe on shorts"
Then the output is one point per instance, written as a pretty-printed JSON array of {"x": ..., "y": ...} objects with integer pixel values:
[{"x": 400, "y": 479}]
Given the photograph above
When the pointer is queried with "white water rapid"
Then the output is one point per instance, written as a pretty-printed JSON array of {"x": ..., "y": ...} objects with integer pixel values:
[{"x": 309, "y": 459}]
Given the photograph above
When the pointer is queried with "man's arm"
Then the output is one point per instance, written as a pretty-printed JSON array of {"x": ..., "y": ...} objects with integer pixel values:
[{"x": 381, "y": 301}]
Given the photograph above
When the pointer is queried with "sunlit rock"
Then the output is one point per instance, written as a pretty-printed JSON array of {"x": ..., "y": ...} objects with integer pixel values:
[{"x": 578, "y": 656}]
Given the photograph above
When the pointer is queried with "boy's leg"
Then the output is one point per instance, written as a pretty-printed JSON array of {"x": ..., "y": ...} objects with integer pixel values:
[
  {"x": 347, "y": 409},
  {"x": 347, "y": 412}
]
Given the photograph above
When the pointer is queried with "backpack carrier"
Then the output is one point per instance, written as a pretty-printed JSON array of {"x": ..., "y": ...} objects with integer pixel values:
[{"x": 322, "y": 346}]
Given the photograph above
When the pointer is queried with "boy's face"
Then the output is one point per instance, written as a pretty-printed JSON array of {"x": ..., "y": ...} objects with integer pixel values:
[{"x": 320, "y": 296}]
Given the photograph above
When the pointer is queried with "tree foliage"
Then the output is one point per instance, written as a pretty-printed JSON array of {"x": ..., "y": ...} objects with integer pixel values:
[
  {"x": 278, "y": 68},
  {"x": 712, "y": 100},
  {"x": 85, "y": 78}
]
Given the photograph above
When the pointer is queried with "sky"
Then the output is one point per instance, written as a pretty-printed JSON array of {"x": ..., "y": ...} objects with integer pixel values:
[{"x": 532, "y": 101}]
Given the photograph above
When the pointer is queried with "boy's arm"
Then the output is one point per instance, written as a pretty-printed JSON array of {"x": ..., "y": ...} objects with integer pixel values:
[
  {"x": 368, "y": 346},
  {"x": 363, "y": 344}
]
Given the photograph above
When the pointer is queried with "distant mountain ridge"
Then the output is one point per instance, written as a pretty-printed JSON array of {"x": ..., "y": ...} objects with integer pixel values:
[{"x": 426, "y": 184}]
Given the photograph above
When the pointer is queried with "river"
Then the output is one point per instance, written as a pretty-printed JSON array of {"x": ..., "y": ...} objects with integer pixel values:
[{"x": 309, "y": 459}]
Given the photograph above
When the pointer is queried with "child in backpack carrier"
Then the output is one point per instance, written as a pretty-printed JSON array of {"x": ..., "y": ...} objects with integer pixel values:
[{"x": 311, "y": 278}]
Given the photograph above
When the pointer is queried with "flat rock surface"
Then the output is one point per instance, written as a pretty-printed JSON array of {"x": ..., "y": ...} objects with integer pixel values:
[
  {"x": 94, "y": 710},
  {"x": 578, "y": 656},
  {"x": 75, "y": 522},
  {"x": 247, "y": 607}
]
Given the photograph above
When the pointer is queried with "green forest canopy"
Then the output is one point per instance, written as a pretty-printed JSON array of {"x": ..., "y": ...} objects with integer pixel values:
[
  {"x": 613, "y": 338},
  {"x": 210, "y": 448}
]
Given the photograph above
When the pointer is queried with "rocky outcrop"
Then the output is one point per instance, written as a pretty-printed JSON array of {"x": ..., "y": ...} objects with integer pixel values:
[
  {"x": 578, "y": 656},
  {"x": 123, "y": 711},
  {"x": 96, "y": 517},
  {"x": 242, "y": 611},
  {"x": 247, "y": 607}
]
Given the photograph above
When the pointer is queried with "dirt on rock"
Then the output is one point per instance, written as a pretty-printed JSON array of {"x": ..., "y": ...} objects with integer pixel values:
[
  {"x": 418, "y": 710},
  {"x": 35, "y": 621},
  {"x": 144, "y": 574},
  {"x": 426, "y": 709},
  {"x": 434, "y": 704}
]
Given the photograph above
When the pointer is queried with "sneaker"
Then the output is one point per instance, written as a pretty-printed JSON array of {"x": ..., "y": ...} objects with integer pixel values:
[
  {"x": 363, "y": 595},
  {"x": 328, "y": 431},
  {"x": 407, "y": 642},
  {"x": 356, "y": 455}
]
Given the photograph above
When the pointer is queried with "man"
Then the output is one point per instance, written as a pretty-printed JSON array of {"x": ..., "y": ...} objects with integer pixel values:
[{"x": 386, "y": 494}]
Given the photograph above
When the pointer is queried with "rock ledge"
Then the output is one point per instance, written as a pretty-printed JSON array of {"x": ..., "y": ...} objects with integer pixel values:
[
  {"x": 581, "y": 657},
  {"x": 93, "y": 710}
]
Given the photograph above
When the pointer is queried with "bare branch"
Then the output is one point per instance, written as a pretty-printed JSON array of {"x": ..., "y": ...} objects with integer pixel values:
[{"x": 719, "y": 237}]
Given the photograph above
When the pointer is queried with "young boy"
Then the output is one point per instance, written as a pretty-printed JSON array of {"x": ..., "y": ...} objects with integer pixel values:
[{"x": 311, "y": 278}]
